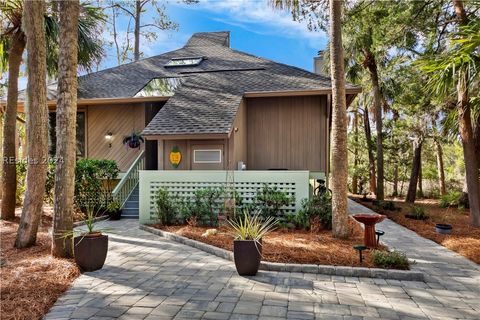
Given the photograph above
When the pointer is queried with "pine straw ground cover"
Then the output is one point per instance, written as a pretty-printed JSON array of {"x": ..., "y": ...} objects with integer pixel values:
[
  {"x": 464, "y": 239},
  {"x": 290, "y": 246},
  {"x": 31, "y": 279}
]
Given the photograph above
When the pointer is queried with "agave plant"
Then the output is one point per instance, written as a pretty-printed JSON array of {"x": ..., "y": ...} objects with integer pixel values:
[{"x": 252, "y": 227}]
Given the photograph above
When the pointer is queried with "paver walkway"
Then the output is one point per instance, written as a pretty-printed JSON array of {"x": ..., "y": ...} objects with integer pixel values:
[{"x": 147, "y": 277}]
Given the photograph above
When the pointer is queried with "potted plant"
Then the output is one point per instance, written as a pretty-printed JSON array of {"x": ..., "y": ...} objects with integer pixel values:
[
  {"x": 247, "y": 246},
  {"x": 114, "y": 210},
  {"x": 133, "y": 140},
  {"x": 90, "y": 246}
]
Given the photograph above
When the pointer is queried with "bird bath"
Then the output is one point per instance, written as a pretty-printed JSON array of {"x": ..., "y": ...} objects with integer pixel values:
[{"x": 369, "y": 220}]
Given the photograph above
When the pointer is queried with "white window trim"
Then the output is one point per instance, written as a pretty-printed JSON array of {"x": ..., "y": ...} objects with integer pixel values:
[{"x": 195, "y": 156}]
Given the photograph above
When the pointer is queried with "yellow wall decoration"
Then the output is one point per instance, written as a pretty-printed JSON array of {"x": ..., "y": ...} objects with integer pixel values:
[{"x": 175, "y": 157}]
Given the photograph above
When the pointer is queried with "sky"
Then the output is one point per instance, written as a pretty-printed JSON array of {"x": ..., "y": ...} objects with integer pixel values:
[{"x": 255, "y": 27}]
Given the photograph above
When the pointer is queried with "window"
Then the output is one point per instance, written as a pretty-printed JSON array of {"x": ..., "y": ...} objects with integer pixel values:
[
  {"x": 184, "y": 62},
  {"x": 207, "y": 156},
  {"x": 52, "y": 138},
  {"x": 160, "y": 87}
]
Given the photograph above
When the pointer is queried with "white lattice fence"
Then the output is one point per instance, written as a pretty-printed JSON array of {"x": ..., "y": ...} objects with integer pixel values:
[{"x": 184, "y": 183}]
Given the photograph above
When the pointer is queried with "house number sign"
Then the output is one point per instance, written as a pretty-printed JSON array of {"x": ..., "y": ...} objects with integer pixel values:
[{"x": 175, "y": 157}]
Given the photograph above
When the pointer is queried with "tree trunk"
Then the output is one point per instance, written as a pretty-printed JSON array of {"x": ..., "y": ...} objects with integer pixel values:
[
  {"x": 416, "y": 164},
  {"x": 395, "y": 180},
  {"x": 440, "y": 167},
  {"x": 9, "y": 173},
  {"x": 339, "y": 125},
  {"x": 66, "y": 128},
  {"x": 355, "y": 154},
  {"x": 420, "y": 179},
  {"x": 371, "y": 65},
  {"x": 37, "y": 123},
  {"x": 138, "y": 13},
  {"x": 466, "y": 132},
  {"x": 371, "y": 158}
]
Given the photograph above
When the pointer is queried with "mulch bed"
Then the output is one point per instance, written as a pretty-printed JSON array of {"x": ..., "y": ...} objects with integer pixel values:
[
  {"x": 290, "y": 246},
  {"x": 31, "y": 279},
  {"x": 464, "y": 239}
]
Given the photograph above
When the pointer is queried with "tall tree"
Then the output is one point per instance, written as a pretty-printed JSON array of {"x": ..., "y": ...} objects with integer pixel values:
[
  {"x": 466, "y": 130},
  {"x": 14, "y": 38},
  {"x": 454, "y": 73},
  {"x": 339, "y": 124},
  {"x": 416, "y": 167},
  {"x": 37, "y": 122},
  {"x": 371, "y": 157},
  {"x": 66, "y": 127},
  {"x": 439, "y": 156},
  {"x": 135, "y": 10}
]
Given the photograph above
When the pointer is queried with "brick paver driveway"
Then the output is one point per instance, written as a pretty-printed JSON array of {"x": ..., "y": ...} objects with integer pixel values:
[{"x": 147, "y": 277}]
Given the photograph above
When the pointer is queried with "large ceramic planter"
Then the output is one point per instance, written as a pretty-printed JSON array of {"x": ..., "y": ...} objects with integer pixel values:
[
  {"x": 443, "y": 228},
  {"x": 90, "y": 251},
  {"x": 115, "y": 215},
  {"x": 247, "y": 255}
]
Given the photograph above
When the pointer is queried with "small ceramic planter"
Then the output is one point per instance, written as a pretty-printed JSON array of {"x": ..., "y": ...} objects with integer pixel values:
[
  {"x": 247, "y": 255},
  {"x": 443, "y": 228}
]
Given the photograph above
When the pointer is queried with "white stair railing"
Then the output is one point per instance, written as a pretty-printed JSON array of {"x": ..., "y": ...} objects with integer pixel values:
[{"x": 129, "y": 181}]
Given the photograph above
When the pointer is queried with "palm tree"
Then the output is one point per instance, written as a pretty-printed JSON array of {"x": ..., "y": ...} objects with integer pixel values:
[
  {"x": 37, "y": 117},
  {"x": 339, "y": 158},
  {"x": 66, "y": 127},
  {"x": 455, "y": 74},
  {"x": 339, "y": 124},
  {"x": 14, "y": 39},
  {"x": 90, "y": 52}
]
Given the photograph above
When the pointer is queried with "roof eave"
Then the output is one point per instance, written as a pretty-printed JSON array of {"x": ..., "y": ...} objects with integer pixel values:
[{"x": 282, "y": 93}]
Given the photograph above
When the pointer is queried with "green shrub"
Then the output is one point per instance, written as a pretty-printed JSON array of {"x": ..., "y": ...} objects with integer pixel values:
[
  {"x": 385, "y": 205},
  {"x": 390, "y": 260},
  {"x": 419, "y": 213},
  {"x": 204, "y": 208},
  {"x": 94, "y": 182},
  {"x": 165, "y": 207},
  {"x": 21, "y": 168},
  {"x": 269, "y": 200},
  {"x": 21, "y": 182},
  {"x": 451, "y": 199},
  {"x": 318, "y": 209}
]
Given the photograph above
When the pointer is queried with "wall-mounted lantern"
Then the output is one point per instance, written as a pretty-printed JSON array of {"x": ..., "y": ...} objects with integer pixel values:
[{"x": 109, "y": 137}]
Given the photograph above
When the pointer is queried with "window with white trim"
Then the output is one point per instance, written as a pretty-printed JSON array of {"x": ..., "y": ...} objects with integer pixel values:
[{"x": 207, "y": 156}]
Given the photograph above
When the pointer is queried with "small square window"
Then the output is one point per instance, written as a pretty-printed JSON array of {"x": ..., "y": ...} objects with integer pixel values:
[
  {"x": 207, "y": 156},
  {"x": 184, "y": 62}
]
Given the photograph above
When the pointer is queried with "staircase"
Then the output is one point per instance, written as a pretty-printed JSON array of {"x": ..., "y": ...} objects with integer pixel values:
[
  {"x": 126, "y": 191},
  {"x": 130, "y": 209}
]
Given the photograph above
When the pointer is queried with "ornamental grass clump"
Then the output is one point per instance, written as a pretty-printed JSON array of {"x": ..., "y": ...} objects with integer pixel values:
[{"x": 390, "y": 260}]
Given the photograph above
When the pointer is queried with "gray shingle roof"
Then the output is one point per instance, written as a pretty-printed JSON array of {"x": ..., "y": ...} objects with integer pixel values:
[{"x": 208, "y": 100}]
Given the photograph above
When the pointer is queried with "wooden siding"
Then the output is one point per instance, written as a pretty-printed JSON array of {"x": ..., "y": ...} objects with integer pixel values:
[
  {"x": 238, "y": 138},
  {"x": 186, "y": 148},
  {"x": 287, "y": 132},
  {"x": 120, "y": 120}
]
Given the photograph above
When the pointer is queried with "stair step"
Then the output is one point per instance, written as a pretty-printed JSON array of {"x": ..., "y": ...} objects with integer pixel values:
[
  {"x": 131, "y": 205},
  {"x": 129, "y": 217}
]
